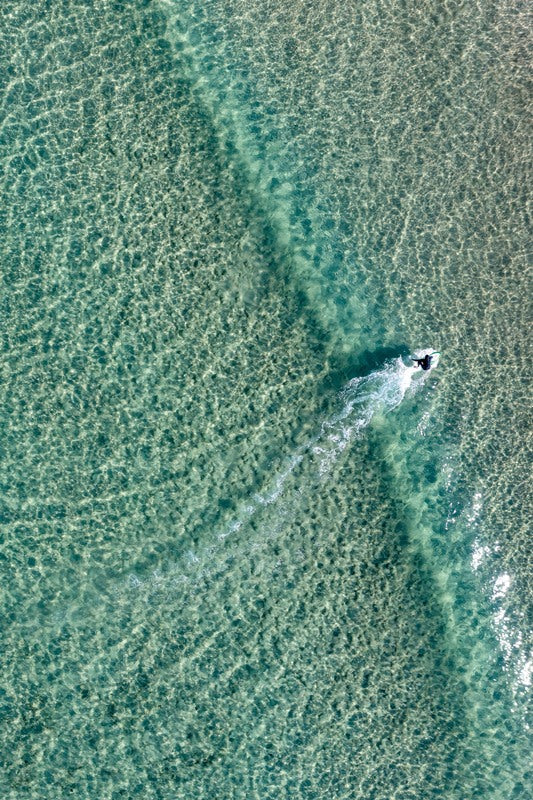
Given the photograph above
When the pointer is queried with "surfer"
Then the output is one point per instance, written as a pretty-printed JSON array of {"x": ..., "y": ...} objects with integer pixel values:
[{"x": 424, "y": 362}]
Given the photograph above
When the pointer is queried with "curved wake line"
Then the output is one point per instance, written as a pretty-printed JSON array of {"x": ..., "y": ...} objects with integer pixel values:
[
  {"x": 362, "y": 399},
  {"x": 379, "y": 392}
]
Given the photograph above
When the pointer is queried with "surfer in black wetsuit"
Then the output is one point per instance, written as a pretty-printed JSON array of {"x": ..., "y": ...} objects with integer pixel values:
[{"x": 425, "y": 362}]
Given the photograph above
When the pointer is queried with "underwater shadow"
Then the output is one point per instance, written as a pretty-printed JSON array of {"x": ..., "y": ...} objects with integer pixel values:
[{"x": 345, "y": 366}]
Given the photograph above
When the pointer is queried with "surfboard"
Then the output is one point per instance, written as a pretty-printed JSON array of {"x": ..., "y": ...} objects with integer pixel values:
[{"x": 421, "y": 353}]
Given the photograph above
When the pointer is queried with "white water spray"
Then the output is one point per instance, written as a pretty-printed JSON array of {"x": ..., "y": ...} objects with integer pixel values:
[{"x": 362, "y": 399}]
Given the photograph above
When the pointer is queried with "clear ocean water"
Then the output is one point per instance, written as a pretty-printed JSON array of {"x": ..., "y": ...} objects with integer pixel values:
[{"x": 245, "y": 551}]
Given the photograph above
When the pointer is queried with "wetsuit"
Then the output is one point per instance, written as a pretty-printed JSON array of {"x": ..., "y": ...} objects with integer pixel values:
[{"x": 425, "y": 362}]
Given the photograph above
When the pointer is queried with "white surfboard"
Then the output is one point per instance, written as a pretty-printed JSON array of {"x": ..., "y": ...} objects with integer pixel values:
[{"x": 420, "y": 354}]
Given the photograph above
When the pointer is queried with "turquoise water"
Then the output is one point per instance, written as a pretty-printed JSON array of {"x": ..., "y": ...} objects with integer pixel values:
[{"x": 245, "y": 552}]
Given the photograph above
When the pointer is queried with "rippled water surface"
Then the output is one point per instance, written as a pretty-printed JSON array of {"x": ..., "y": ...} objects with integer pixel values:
[{"x": 247, "y": 551}]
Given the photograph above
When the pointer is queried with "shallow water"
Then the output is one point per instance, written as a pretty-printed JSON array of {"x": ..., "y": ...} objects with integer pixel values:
[{"x": 242, "y": 554}]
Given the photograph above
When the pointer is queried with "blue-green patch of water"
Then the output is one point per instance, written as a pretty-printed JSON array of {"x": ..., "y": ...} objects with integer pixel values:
[{"x": 233, "y": 564}]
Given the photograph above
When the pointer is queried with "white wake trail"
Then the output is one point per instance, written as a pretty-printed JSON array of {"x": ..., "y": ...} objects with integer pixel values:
[{"x": 361, "y": 400}]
